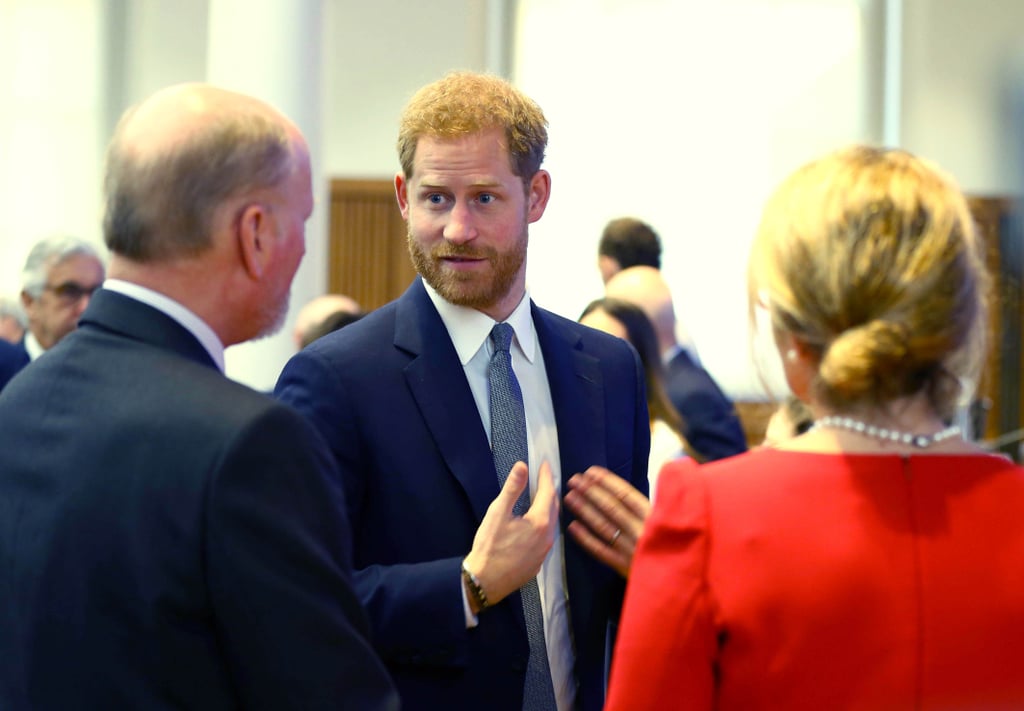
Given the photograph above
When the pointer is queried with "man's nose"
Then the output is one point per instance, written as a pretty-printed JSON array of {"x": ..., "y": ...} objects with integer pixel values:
[{"x": 461, "y": 226}]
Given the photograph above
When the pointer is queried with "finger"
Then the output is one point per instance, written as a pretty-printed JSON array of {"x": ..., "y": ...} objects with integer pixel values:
[
  {"x": 545, "y": 500},
  {"x": 597, "y": 521},
  {"x": 581, "y": 482},
  {"x": 612, "y": 490},
  {"x": 545, "y": 481},
  {"x": 584, "y": 509},
  {"x": 620, "y": 560},
  {"x": 518, "y": 479},
  {"x": 615, "y": 486},
  {"x": 602, "y": 512}
]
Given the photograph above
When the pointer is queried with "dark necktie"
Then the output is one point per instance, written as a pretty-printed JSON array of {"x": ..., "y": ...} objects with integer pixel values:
[{"x": 508, "y": 446}]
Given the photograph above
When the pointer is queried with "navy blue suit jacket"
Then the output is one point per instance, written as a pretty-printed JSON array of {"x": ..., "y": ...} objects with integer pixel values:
[
  {"x": 13, "y": 358},
  {"x": 169, "y": 538},
  {"x": 710, "y": 422},
  {"x": 390, "y": 396}
]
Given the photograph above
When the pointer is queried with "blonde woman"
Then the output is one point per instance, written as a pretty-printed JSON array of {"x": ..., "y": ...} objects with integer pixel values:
[
  {"x": 877, "y": 561},
  {"x": 629, "y": 322}
]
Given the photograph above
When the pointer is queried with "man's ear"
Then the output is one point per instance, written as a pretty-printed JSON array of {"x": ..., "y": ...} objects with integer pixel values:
[
  {"x": 537, "y": 195},
  {"x": 254, "y": 239},
  {"x": 26, "y": 299},
  {"x": 402, "y": 194}
]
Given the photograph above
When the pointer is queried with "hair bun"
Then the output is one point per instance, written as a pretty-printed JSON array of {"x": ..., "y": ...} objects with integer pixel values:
[{"x": 876, "y": 358}]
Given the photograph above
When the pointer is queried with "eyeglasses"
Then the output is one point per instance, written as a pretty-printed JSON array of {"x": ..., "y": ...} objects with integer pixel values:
[{"x": 71, "y": 292}]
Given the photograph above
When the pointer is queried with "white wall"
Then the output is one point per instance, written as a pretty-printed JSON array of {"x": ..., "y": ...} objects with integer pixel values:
[
  {"x": 376, "y": 55},
  {"x": 956, "y": 54},
  {"x": 50, "y": 122},
  {"x": 683, "y": 112},
  {"x": 70, "y": 67}
]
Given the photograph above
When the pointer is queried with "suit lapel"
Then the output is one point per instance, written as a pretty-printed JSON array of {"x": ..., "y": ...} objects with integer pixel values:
[
  {"x": 577, "y": 394},
  {"x": 439, "y": 387},
  {"x": 133, "y": 319}
]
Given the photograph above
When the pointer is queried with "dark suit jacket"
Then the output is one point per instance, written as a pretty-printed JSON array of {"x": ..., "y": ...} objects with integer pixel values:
[
  {"x": 169, "y": 538},
  {"x": 12, "y": 359},
  {"x": 391, "y": 397},
  {"x": 710, "y": 422}
]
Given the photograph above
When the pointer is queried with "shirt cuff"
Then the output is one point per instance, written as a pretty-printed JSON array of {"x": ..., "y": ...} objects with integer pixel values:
[{"x": 471, "y": 619}]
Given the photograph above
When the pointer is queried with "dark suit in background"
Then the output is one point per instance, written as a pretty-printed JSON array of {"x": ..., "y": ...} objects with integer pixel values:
[
  {"x": 710, "y": 422},
  {"x": 13, "y": 357}
]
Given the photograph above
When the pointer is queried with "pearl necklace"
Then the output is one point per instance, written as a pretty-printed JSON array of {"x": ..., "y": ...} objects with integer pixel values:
[{"x": 921, "y": 441}]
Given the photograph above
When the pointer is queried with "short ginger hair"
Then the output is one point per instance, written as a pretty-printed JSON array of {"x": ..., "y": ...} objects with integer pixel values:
[{"x": 463, "y": 103}]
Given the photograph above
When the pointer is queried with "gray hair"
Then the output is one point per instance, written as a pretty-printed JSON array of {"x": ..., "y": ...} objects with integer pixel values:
[
  {"x": 11, "y": 308},
  {"x": 48, "y": 252},
  {"x": 162, "y": 206}
]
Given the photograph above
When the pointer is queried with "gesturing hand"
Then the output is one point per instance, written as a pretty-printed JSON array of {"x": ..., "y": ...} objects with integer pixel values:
[
  {"x": 508, "y": 550},
  {"x": 610, "y": 515}
]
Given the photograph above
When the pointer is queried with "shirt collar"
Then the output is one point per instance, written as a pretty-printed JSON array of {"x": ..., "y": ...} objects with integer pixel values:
[
  {"x": 163, "y": 303},
  {"x": 470, "y": 328},
  {"x": 32, "y": 345}
]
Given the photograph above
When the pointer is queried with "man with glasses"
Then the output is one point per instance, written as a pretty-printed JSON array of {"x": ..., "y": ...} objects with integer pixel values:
[{"x": 59, "y": 276}]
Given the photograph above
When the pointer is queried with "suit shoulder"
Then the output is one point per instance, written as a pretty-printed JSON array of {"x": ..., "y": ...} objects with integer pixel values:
[
  {"x": 685, "y": 376},
  {"x": 191, "y": 390},
  {"x": 359, "y": 338},
  {"x": 586, "y": 338}
]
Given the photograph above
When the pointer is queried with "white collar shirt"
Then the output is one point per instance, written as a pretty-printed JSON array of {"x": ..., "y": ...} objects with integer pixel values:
[
  {"x": 171, "y": 308},
  {"x": 469, "y": 330},
  {"x": 32, "y": 346}
]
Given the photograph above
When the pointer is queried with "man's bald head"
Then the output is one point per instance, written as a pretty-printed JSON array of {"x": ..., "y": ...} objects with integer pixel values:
[
  {"x": 646, "y": 287},
  {"x": 317, "y": 310},
  {"x": 179, "y": 156}
]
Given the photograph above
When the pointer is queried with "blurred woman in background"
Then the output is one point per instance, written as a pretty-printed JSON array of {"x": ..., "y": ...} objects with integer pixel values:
[
  {"x": 877, "y": 561},
  {"x": 628, "y": 321}
]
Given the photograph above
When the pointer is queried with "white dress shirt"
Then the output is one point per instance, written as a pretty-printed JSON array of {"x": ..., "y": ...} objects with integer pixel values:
[
  {"x": 168, "y": 306},
  {"x": 32, "y": 345},
  {"x": 469, "y": 330}
]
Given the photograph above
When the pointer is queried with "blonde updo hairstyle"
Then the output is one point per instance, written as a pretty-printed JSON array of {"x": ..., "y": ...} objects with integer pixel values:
[{"x": 870, "y": 258}]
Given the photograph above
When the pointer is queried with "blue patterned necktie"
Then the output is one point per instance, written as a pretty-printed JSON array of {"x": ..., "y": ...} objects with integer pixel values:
[{"x": 508, "y": 446}]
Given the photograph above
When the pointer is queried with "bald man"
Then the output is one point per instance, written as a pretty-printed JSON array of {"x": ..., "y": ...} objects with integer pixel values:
[
  {"x": 710, "y": 422},
  {"x": 170, "y": 538},
  {"x": 317, "y": 311}
]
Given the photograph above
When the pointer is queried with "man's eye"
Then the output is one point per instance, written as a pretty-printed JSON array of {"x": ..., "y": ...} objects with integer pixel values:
[
  {"x": 435, "y": 198},
  {"x": 486, "y": 198}
]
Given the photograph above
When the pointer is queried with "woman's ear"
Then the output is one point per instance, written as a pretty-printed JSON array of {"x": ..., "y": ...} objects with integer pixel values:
[{"x": 799, "y": 363}]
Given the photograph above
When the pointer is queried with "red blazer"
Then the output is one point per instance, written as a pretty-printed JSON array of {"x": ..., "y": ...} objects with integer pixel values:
[{"x": 790, "y": 580}]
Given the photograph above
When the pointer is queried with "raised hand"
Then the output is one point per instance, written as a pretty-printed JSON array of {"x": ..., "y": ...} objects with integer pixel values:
[
  {"x": 610, "y": 516},
  {"x": 508, "y": 550}
]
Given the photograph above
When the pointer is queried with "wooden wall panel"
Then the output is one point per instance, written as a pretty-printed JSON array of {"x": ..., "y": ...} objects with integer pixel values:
[
  {"x": 368, "y": 258},
  {"x": 1002, "y": 388}
]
